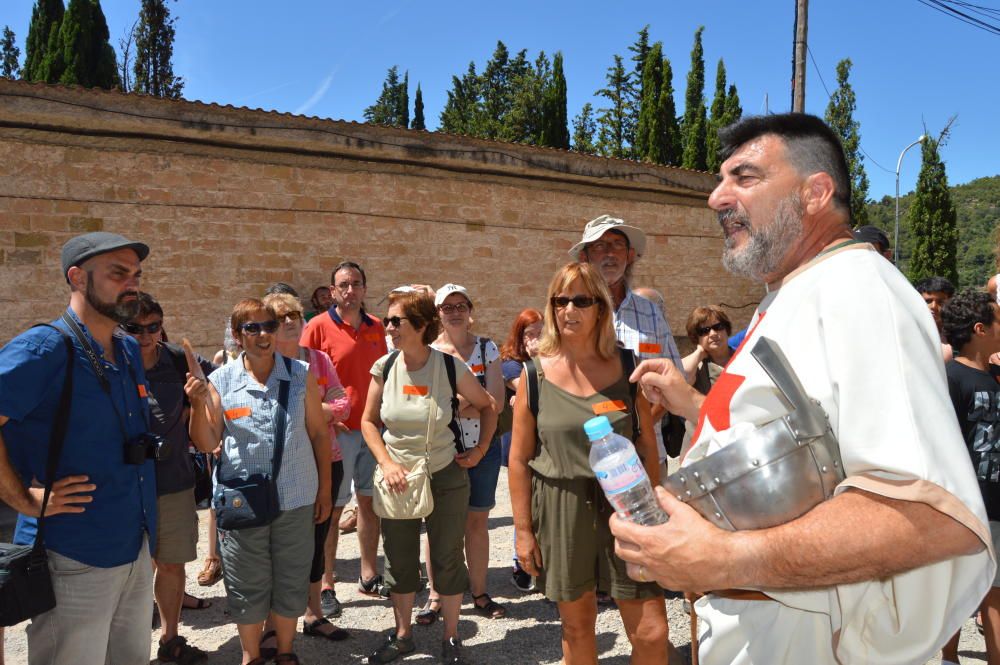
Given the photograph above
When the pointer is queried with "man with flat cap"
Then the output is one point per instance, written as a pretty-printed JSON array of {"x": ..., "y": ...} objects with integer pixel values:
[{"x": 100, "y": 520}]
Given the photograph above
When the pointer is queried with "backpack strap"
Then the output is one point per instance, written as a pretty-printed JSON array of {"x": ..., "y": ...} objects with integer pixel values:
[
  {"x": 388, "y": 364},
  {"x": 454, "y": 426},
  {"x": 482, "y": 359},
  {"x": 531, "y": 370},
  {"x": 628, "y": 366}
]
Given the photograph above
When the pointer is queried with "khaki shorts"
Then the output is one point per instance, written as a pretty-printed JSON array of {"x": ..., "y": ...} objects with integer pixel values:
[{"x": 176, "y": 528}]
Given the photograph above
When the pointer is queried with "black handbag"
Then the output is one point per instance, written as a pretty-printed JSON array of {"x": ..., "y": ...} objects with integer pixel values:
[
  {"x": 243, "y": 503},
  {"x": 25, "y": 583}
]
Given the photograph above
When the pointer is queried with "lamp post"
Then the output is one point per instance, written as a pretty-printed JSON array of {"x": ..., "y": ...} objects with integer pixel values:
[{"x": 899, "y": 162}]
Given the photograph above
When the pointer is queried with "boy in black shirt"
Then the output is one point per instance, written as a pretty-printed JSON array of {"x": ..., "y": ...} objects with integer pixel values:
[{"x": 971, "y": 322}]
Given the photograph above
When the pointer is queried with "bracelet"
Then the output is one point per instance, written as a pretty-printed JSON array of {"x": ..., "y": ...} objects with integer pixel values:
[{"x": 482, "y": 455}]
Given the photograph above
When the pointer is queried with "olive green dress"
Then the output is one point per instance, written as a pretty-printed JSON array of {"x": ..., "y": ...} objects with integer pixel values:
[{"x": 568, "y": 509}]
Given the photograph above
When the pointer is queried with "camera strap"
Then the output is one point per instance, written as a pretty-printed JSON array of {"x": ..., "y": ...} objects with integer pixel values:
[
  {"x": 98, "y": 366},
  {"x": 60, "y": 424}
]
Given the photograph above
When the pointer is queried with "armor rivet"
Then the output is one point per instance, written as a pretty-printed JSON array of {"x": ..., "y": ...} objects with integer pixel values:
[
  {"x": 688, "y": 492},
  {"x": 695, "y": 474},
  {"x": 718, "y": 516},
  {"x": 837, "y": 464},
  {"x": 683, "y": 480},
  {"x": 701, "y": 487},
  {"x": 797, "y": 433},
  {"x": 756, "y": 462},
  {"x": 717, "y": 481},
  {"x": 824, "y": 469},
  {"x": 680, "y": 498}
]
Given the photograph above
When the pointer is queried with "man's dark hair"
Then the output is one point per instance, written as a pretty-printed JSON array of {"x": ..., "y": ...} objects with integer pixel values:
[
  {"x": 960, "y": 315},
  {"x": 935, "y": 285},
  {"x": 810, "y": 146},
  {"x": 348, "y": 264},
  {"x": 147, "y": 306},
  {"x": 281, "y": 287},
  {"x": 873, "y": 235}
]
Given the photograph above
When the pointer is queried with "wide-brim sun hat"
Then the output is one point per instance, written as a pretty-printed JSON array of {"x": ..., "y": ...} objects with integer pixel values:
[{"x": 598, "y": 226}]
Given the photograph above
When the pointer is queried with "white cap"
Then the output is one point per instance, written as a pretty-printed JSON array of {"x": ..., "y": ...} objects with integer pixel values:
[
  {"x": 447, "y": 290},
  {"x": 599, "y": 226}
]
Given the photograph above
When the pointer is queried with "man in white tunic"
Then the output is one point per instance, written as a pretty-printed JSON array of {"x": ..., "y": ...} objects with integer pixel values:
[{"x": 889, "y": 568}]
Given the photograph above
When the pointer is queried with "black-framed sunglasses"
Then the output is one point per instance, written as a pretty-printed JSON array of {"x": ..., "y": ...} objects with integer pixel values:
[
  {"x": 717, "y": 327},
  {"x": 138, "y": 328},
  {"x": 393, "y": 320},
  {"x": 580, "y": 302},
  {"x": 256, "y": 328}
]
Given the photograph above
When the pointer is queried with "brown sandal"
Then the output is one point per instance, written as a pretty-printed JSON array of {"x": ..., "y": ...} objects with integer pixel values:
[
  {"x": 211, "y": 573},
  {"x": 348, "y": 521}
]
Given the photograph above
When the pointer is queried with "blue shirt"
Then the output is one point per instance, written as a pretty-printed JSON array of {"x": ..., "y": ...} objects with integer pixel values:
[
  {"x": 110, "y": 530},
  {"x": 642, "y": 327},
  {"x": 249, "y": 411}
]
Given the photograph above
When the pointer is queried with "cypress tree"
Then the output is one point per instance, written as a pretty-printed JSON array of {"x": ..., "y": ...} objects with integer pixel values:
[
  {"x": 9, "y": 54},
  {"x": 695, "y": 125},
  {"x": 840, "y": 117},
  {"x": 154, "y": 49},
  {"x": 932, "y": 218},
  {"x": 716, "y": 119},
  {"x": 86, "y": 50},
  {"x": 640, "y": 54},
  {"x": 402, "y": 100},
  {"x": 418, "y": 110},
  {"x": 463, "y": 112},
  {"x": 670, "y": 138},
  {"x": 648, "y": 131},
  {"x": 41, "y": 53},
  {"x": 584, "y": 130},
  {"x": 733, "y": 109},
  {"x": 386, "y": 109},
  {"x": 555, "y": 128},
  {"x": 616, "y": 129},
  {"x": 527, "y": 93}
]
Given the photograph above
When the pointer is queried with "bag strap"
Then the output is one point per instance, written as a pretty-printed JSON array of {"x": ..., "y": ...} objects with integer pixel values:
[
  {"x": 482, "y": 358},
  {"x": 454, "y": 425},
  {"x": 57, "y": 437},
  {"x": 279, "y": 420},
  {"x": 531, "y": 370},
  {"x": 389, "y": 362},
  {"x": 628, "y": 366}
]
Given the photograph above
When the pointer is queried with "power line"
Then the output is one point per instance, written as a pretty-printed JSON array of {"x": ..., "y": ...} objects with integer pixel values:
[{"x": 948, "y": 7}]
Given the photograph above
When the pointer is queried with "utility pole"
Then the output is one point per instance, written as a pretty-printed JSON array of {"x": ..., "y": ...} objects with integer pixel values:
[{"x": 799, "y": 56}]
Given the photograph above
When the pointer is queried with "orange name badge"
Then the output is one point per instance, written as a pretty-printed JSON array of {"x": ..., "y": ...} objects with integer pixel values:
[
  {"x": 648, "y": 347},
  {"x": 476, "y": 369},
  {"x": 607, "y": 407},
  {"x": 239, "y": 412},
  {"x": 420, "y": 391},
  {"x": 142, "y": 390}
]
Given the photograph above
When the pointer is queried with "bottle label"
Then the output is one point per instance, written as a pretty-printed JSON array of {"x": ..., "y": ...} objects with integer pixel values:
[{"x": 621, "y": 477}]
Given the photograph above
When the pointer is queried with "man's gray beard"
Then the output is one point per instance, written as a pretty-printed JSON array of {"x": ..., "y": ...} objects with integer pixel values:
[
  {"x": 120, "y": 311},
  {"x": 767, "y": 246}
]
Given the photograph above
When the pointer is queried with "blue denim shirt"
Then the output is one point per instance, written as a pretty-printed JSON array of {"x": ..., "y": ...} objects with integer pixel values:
[{"x": 110, "y": 530}]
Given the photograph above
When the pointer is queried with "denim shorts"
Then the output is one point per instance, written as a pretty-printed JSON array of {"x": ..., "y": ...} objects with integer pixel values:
[{"x": 483, "y": 480}]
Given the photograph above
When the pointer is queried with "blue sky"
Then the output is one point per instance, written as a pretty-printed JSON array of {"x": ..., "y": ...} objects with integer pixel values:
[{"x": 912, "y": 65}]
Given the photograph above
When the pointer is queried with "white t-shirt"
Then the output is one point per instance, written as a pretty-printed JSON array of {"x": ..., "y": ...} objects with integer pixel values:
[
  {"x": 864, "y": 344},
  {"x": 477, "y": 365}
]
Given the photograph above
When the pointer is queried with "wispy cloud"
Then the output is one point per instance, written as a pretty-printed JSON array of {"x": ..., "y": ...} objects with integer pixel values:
[
  {"x": 320, "y": 91},
  {"x": 392, "y": 14}
]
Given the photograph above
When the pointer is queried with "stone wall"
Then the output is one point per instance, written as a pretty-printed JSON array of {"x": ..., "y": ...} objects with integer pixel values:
[{"x": 231, "y": 200}]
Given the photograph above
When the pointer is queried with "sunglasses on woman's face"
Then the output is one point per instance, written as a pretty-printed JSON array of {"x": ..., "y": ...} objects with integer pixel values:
[
  {"x": 580, "y": 302},
  {"x": 254, "y": 328},
  {"x": 461, "y": 308},
  {"x": 138, "y": 328},
  {"x": 393, "y": 321},
  {"x": 704, "y": 330},
  {"x": 292, "y": 316}
]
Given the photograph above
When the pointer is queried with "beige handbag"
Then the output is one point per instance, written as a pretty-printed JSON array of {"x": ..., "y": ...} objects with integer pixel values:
[{"x": 416, "y": 501}]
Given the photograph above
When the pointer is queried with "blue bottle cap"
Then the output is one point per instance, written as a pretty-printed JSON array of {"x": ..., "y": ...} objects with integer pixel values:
[{"x": 597, "y": 428}]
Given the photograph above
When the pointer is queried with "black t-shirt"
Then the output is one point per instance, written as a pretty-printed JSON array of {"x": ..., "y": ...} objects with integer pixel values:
[
  {"x": 167, "y": 404},
  {"x": 975, "y": 394}
]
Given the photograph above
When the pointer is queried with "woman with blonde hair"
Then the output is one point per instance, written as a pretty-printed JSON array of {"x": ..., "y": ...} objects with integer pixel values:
[{"x": 560, "y": 513}]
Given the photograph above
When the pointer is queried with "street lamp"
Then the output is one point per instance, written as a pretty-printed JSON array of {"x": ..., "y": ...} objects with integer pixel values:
[{"x": 895, "y": 240}]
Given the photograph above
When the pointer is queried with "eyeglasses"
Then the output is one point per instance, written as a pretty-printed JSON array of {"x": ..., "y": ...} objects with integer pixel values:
[
  {"x": 601, "y": 247},
  {"x": 717, "y": 327},
  {"x": 580, "y": 302},
  {"x": 460, "y": 308},
  {"x": 138, "y": 328},
  {"x": 344, "y": 286},
  {"x": 393, "y": 321},
  {"x": 293, "y": 316},
  {"x": 254, "y": 328}
]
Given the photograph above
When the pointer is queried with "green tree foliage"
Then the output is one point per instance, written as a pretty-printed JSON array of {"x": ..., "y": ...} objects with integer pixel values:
[
  {"x": 840, "y": 117},
  {"x": 648, "y": 131},
  {"x": 154, "y": 49},
  {"x": 9, "y": 54},
  {"x": 528, "y": 86},
  {"x": 733, "y": 109},
  {"x": 933, "y": 219},
  {"x": 640, "y": 53},
  {"x": 616, "y": 129},
  {"x": 418, "y": 110},
  {"x": 717, "y": 119},
  {"x": 584, "y": 130},
  {"x": 695, "y": 124},
  {"x": 667, "y": 112},
  {"x": 42, "y": 60},
  {"x": 392, "y": 106},
  {"x": 555, "y": 123},
  {"x": 462, "y": 112},
  {"x": 85, "y": 48}
]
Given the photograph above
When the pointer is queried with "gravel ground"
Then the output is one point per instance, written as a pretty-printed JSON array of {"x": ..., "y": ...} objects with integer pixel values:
[{"x": 529, "y": 633}]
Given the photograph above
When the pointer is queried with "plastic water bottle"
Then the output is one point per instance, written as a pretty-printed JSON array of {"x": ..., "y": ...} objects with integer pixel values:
[{"x": 621, "y": 474}]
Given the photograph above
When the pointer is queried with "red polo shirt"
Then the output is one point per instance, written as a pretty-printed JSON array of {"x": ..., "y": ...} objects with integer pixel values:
[{"x": 353, "y": 353}]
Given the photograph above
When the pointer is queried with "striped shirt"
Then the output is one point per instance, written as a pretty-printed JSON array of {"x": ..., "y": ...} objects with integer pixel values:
[{"x": 249, "y": 410}]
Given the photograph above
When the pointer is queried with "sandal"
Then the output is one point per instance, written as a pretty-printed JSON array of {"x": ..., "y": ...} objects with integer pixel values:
[
  {"x": 177, "y": 650},
  {"x": 428, "y": 616},
  {"x": 312, "y": 629},
  {"x": 211, "y": 573},
  {"x": 349, "y": 521},
  {"x": 267, "y": 653},
  {"x": 491, "y": 608},
  {"x": 287, "y": 658},
  {"x": 199, "y": 603}
]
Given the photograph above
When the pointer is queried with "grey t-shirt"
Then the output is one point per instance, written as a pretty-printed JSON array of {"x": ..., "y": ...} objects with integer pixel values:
[{"x": 167, "y": 404}]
